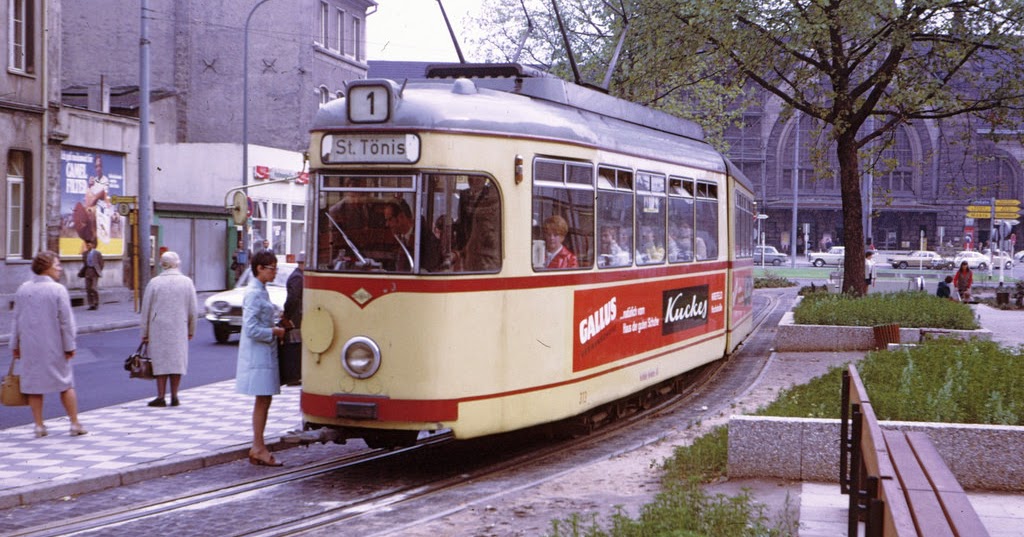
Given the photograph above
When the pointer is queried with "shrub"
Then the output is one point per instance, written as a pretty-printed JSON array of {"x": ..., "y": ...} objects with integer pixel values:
[
  {"x": 911, "y": 309},
  {"x": 770, "y": 281},
  {"x": 945, "y": 380}
]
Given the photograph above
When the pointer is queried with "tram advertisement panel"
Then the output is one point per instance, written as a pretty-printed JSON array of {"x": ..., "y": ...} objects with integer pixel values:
[{"x": 615, "y": 322}]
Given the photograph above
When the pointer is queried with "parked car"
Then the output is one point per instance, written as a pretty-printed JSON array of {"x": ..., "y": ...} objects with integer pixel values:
[
  {"x": 769, "y": 255},
  {"x": 979, "y": 261},
  {"x": 1018, "y": 257},
  {"x": 834, "y": 256},
  {"x": 224, "y": 309},
  {"x": 920, "y": 259}
]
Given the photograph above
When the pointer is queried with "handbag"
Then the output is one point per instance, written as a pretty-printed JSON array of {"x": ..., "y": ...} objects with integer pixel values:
[
  {"x": 10, "y": 391},
  {"x": 81, "y": 272},
  {"x": 138, "y": 365},
  {"x": 289, "y": 358}
]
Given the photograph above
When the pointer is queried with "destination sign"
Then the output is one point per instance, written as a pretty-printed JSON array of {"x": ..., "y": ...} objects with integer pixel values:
[{"x": 370, "y": 148}]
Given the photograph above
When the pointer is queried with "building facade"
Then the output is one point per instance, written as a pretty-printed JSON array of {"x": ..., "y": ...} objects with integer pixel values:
[
  {"x": 300, "y": 54},
  {"x": 915, "y": 196}
]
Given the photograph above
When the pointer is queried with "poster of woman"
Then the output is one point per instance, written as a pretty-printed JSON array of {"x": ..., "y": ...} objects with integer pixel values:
[{"x": 88, "y": 182}]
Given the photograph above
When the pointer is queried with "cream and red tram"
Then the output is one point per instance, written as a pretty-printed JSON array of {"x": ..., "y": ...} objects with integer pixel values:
[{"x": 500, "y": 249}]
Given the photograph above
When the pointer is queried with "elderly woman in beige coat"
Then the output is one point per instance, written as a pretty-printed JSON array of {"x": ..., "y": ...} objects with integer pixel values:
[{"x": 168, "y": 323}]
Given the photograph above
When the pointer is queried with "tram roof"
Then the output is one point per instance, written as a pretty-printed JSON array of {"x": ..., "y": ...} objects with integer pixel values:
[{"x": 510, "y": 99}]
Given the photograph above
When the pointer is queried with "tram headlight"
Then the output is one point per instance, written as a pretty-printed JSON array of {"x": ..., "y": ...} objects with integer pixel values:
[{"x": 360, "y": 357}]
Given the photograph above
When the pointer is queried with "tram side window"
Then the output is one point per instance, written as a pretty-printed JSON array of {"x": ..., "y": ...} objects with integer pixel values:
[
  {"x": 681, "y": 243},
  {"x": 475, "y": 237},
  {"x": 744, "y": 225},
  {"x": 614, "y": 217},
  {"x": 563, "y": 214},
  {"x": 650, "y": 219},
  {"x": 707, "y": 218}
]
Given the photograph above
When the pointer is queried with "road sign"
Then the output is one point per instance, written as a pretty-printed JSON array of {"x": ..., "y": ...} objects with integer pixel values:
[
  {"x": 1007, "y": 203},
  {"x": 123, "y": 199}
]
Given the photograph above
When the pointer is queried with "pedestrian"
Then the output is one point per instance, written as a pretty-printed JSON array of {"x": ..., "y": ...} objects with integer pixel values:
[
  {"x": 944, "y": 290},
  {"x": 257, "y": 371},
  {"x": 241, "y": 263},
  {"x": 168, "y": 323},
  {"x": 290, "y": 351},
  {"x": 869, "y": 268},
  {"x": 92, "y": 269},
  {"x": 43, "y": 336},
  {"x": 963, "y": 280}
]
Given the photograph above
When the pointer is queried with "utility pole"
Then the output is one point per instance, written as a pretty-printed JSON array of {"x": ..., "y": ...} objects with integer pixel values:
[
  {"x": 796, "y": 187},
  {"x": 145, "y": 221},
  {"x": 245, "y": 116}
]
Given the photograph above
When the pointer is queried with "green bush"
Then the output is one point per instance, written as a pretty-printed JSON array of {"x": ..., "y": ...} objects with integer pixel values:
[
  {"x": 945, "y": 380},
  {"x": 911, "y": 309},
  {"x": 770, "y": 281}
]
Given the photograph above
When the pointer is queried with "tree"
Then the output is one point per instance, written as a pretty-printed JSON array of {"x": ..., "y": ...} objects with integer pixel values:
[{"x": 841, "y": 62}]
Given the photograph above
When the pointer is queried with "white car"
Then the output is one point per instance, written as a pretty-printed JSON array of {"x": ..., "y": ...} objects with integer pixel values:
[
  {"x": 769, "y": 255},
  {"x": 224, "y": 309},
  {"x": 979, "y": 261}
]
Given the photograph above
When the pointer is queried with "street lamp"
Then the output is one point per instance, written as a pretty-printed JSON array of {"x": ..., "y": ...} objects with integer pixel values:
[{"x": 245, "y": 112}]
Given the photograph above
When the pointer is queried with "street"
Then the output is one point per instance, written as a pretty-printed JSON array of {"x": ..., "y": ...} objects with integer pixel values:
[{"x": 101, "y": 381}]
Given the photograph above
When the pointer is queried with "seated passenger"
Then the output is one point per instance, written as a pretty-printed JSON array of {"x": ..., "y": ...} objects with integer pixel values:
[
  {"x": 681, "y": 244},
  {"x": 612, "y": 255},
  {"x": 556, "y": 255},
  {"x": 649, "y": 251},
  {"x": 398, "y": 217}
]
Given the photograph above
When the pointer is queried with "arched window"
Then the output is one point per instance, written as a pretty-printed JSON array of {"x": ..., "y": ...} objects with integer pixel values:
[{"x": 811, "y": 180}]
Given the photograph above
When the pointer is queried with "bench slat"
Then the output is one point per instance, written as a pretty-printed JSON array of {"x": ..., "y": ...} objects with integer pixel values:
[
  {"x": 957, "y": 506},
  {"x": 924, "y": 503}
]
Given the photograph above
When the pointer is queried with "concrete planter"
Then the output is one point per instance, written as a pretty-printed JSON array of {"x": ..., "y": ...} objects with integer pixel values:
[
  {"x": 983, "y": 457},
  {"x": 792, "y": 337}
]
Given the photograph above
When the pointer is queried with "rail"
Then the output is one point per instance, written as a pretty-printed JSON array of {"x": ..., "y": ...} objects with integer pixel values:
[{"x": 897, "y": 482}]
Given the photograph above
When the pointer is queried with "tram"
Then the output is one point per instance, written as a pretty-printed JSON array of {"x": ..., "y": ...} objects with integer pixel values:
[{"x": 492, "y": 248}]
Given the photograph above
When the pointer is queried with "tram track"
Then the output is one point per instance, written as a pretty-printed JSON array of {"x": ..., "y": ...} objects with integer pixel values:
[{"x": 399, "y": 504}]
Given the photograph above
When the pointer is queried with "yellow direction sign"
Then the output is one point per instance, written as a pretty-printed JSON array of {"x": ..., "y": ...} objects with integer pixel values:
[
  {"x": 1005, "y": 210},
  {"x": 1007, "y": 203}
]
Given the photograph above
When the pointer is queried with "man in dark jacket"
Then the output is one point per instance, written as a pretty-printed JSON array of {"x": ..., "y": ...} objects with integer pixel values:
[
  {"x": 291, "y": 320},
  {"x": 92, "y": 269}
]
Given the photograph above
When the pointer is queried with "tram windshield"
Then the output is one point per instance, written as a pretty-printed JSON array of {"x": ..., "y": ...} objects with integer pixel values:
[{"x": 418, "y": 223}]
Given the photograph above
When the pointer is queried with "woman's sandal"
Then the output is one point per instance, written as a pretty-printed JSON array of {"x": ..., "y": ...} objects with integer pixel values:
[{"x": 253, "y": 459}]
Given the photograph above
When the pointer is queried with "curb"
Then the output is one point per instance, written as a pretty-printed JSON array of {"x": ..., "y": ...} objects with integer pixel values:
[
  {"x": 5, "y": 338},
  {"x": 31, "y": 494}
]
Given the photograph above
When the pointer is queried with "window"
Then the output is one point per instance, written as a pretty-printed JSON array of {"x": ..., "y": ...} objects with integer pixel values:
[
  {"x": 744, "y": 225},
  {"x": 650, "y": 219},
  {"x": 615, "y": 216},
  {"x": 680, "y": 220},
  {"x": 325, "y": 94},
  {"x": 707, "y": 221},
  {"x": 21, "y": 35},
  {"x": 357, "y": 39},
  {"x": 408, "y": 224},
  {"x": 563, "y": 214},
  {"x": 341, "y": 32},
  {"x": 324, "y": 24},
  {"x": 18, "y": 182}
]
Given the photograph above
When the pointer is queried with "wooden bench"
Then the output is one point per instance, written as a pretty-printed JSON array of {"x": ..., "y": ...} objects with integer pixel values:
[{"x": 897, "y": 482}]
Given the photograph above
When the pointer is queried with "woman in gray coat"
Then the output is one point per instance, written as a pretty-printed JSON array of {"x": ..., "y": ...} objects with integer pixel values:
[
  {"x": 43, "y": 337},
  {"x": 168, "y": 324},
  {"x": 257, "y": 372}
]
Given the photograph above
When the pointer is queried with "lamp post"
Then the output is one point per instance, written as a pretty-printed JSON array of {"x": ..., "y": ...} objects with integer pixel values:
[{"x": 245, "y": 113}]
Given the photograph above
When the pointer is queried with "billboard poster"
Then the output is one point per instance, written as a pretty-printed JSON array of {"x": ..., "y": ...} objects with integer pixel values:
[
  {"x": 88, "y": 180},
  {"x": 615, "y": 322}
]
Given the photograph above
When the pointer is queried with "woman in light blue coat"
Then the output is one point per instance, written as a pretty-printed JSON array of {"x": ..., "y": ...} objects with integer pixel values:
[{"x": 257, "y": 372}]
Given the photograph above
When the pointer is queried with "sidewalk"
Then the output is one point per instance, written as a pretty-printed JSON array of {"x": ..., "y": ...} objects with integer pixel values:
[{"x": 131, "y": 442}]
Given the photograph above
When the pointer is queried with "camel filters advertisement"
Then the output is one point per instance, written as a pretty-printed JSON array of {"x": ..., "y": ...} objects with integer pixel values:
[{"x": 88, "y": 182}]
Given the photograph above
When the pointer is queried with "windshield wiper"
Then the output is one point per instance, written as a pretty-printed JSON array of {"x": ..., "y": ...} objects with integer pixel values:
[{"x": 362, "y": 260}]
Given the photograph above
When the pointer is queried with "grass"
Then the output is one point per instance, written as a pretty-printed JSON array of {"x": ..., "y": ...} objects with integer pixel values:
[
  {"x": 945, "y": 380},
  {"x": 911, "y": 309}
]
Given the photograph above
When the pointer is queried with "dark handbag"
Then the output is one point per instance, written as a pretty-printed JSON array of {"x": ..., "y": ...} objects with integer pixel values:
[
  {"x": 10, "y": 391},
  {"x": 81, "y": 272},
  {"x": 289, "y": 358},
  {"x": 138, "y": 365}
]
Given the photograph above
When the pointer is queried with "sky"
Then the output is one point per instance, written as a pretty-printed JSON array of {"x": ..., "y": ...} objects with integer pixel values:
[{"x": 414, "y": 30}]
